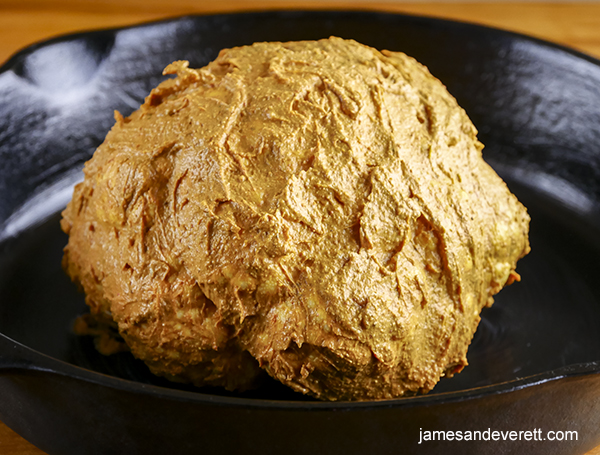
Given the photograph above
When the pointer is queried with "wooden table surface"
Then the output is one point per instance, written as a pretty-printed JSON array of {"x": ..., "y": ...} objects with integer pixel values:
[{"x": 23, "y": 22}]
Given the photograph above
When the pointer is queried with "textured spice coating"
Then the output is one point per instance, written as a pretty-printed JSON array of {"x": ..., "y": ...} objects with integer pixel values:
[{"x": 320, "y": 210}]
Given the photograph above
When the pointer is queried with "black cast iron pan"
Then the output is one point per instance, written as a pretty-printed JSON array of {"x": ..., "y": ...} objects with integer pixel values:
[{"x": 534, "y": 361}]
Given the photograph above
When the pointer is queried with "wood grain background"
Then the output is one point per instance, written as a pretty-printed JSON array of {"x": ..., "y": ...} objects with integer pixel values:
[{"x": 24, "y": 22}]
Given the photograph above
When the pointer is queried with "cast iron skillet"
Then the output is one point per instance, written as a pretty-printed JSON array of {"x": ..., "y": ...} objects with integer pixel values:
[{"x": 534, "y": 360}]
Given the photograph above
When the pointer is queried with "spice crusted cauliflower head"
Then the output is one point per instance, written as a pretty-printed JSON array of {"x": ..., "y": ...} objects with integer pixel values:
[{"x": 318, "y": 210}]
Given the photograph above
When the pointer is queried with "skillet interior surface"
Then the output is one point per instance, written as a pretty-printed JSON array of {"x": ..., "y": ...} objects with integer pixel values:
[{"x": 537, "y": 107}]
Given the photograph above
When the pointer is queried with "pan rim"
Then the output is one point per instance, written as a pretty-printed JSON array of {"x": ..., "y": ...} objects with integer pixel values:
[{"x": 27, "y": 359}]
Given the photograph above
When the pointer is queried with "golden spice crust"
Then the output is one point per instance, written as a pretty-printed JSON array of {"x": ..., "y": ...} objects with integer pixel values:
[{"x": 320, "y": 210}]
